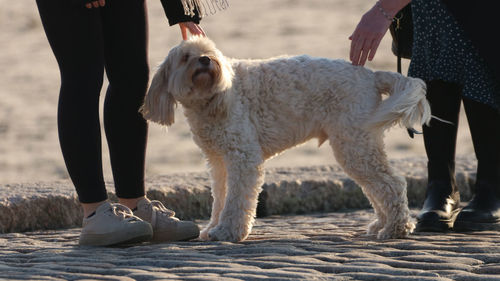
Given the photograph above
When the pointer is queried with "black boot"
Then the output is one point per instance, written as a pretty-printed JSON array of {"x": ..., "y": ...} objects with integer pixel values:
[
  {"x": 483, "y": 211},
  {"x": 440, "y": 209},
  {"x": 442, "y": 197}
]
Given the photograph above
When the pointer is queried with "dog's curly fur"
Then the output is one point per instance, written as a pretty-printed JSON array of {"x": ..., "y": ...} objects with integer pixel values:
[{"x": 242, "y": 112}]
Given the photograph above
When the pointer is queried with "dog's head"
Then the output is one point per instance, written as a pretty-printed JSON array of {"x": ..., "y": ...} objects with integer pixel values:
[{"x": 194, "y": 73}]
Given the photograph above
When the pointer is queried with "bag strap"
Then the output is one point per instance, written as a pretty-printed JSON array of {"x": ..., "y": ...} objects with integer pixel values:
[
  {"x": 411, "y": 131},
  {"x": 398, "y": 50},
  {"x": 399, "y": 59}
]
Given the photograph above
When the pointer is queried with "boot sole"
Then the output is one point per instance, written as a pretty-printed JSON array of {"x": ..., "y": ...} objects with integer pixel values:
[
  {"x": 434, "y": 226},
  {"x": 468, "y": 226},
  {"x": 437, "y": 225}
]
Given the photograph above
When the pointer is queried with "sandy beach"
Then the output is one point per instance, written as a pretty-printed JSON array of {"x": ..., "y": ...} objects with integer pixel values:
[{"x": 29, "y": 84}]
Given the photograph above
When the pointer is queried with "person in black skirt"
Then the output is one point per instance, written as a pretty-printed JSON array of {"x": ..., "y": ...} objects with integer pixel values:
[
  {"x": 452, "y": 53},
  {"x": 88, "y": 38}
]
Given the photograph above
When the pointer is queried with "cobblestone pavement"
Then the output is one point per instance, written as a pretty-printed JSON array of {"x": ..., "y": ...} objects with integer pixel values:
[{"x": 328, "y": 246}]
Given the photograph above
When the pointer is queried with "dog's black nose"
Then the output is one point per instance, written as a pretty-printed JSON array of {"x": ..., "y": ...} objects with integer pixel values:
[{"x": 204, "y": 60}]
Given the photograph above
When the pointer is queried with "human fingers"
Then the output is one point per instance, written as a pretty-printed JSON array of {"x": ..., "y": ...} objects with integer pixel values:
[
  {"x": 365, "y": 50},
  {"x": 374, "y": 48},
  {"x": 198, "y": 30},
  {"x": 358, "y": 50},
  {"x": 194, "y": 28},
  {"x": 94, "y": 3},
  {"x": 364, "y": 46},
  {"x": 358, "y": 39},
  {"x": 183, "y": 31},
  {"x": 357, "y": 44},
  {"x": 351, "y": 48}
]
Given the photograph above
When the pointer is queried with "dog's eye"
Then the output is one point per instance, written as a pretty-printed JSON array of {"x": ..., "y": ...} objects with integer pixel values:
[{"x": 185, "y": 58}]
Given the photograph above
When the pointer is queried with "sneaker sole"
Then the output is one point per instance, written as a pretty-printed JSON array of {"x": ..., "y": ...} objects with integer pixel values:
[{"x": 110, "y": 239}]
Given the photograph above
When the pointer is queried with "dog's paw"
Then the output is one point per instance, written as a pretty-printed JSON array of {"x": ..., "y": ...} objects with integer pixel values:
[
  {"x": 387, "y": 233},
  {"x": 374, "y": 227},
  {"x": 410, "y": 227},
  {"x": 392, "y": 232},
  {"x": 206, "y": 229},
  {"x": 221, "y": 233},
  {"x": 204, "y": 234}
]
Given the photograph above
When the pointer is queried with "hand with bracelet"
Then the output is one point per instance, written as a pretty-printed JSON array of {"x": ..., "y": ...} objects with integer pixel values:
[{"x": 371, "y": 29}]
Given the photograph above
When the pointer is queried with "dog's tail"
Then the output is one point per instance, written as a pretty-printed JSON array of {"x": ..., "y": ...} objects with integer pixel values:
[{"x": 406, "y": 104}]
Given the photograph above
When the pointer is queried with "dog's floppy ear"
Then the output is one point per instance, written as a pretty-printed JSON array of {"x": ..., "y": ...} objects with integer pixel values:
[{"x": 159, "y": 104}]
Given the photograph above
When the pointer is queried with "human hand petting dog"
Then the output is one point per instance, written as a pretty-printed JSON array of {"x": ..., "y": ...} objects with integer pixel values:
[
  {"x": 371, "y": 29},
  {"x": 192, "y": 27}
]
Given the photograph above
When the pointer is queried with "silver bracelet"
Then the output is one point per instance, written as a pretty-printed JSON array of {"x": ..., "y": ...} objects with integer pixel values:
[{"x": 386, "y": 15}]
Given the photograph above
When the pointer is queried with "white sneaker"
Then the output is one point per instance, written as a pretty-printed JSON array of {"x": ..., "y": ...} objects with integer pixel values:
[
  {"x": 114, "y": 224},
  {"x": 166, "y": 227}
]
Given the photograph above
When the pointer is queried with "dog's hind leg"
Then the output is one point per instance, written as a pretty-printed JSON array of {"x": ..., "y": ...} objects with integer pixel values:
[
  {"x": 361, "y": 155},
  {"x": 381, "y": 216},
  {"x": 245, "y": 179}
]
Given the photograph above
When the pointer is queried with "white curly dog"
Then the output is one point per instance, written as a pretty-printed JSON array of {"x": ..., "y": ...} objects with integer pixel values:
[{"x": 242, "y": 112}]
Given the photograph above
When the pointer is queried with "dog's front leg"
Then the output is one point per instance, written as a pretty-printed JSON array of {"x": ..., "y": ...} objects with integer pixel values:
[
  {"x": 245, "y": 178},
  {"x": 218, "y": 176}
]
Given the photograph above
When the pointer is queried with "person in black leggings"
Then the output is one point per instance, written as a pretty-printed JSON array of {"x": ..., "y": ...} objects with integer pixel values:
[{"x": 88, "y": 38}]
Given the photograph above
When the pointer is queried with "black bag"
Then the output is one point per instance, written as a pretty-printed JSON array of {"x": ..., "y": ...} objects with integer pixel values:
[{"x": 402, "y": 34}]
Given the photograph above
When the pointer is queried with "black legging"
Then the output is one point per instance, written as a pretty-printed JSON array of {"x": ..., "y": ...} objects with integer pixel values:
[
  {"x": 85, "y": 42},
  {"x": 440, "y": 138}
]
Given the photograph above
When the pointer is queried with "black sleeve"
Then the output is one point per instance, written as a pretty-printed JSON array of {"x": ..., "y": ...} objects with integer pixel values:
[{"x": 175, "y": 12}]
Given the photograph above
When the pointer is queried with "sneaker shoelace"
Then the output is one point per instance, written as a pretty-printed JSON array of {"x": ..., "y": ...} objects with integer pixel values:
[
  {"x": 158, "y": 208},
  {"x": 123, "y": 212}
]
